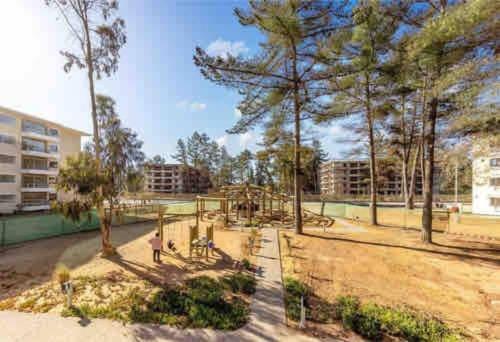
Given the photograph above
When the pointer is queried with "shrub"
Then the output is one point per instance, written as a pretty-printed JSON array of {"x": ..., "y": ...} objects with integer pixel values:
[
  {"x": 246, "y": 263},
  {"x": 171, "y": 301},
  {"x": 240, "y": 282},
  {"x": 61, "y": 274},
  {"x": 294, "y": 290},
  {"x": 346, "y": 309},
  {"x": 205, "y": 290}
]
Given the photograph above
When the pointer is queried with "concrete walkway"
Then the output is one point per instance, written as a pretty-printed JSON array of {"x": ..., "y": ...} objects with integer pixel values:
[{"x": 267, "y": 321}]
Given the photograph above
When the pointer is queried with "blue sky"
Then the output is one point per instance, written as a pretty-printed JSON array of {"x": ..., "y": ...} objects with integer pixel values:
[{"x": 158, "y": 90}]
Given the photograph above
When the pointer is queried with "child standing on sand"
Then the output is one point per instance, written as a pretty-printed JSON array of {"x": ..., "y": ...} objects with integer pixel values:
[{"x": 156, "y": 245}]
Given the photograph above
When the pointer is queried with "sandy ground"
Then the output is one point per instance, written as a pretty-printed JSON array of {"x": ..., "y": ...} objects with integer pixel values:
[
  {"x": 31, "y": 264},
  {"x": 455, "y": 279}
]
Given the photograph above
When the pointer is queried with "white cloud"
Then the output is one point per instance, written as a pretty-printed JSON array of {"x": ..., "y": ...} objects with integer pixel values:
[
  {"x": 335, "y": 130},
  {"x": 237, "y": 113},
  {"x": 191, "y": 106},
  {"x": 245, "y": 139},
  {"x": 222, "y": 141},
  {"x": 223, "y": 48}
]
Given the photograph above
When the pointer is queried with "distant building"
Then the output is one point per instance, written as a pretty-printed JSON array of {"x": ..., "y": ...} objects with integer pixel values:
[
  {"x": 352, "y": 178},
  {"x": 486, "y": 180},
  {"x": 174, "y": 178},
  {"x": 31, "y": 152}
]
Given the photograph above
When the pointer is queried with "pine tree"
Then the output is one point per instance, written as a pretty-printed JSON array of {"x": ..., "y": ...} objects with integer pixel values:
[{"x": 282, "y": 75}]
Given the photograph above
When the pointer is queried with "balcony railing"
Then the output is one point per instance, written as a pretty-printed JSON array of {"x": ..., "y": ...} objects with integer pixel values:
[
  {"x": 35, "y": 185},
  {"x": 34, "y": 202},
  {"x": 31, "y": 148}
]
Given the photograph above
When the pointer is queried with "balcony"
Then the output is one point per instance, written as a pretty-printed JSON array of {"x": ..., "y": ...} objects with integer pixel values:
[
  {"x": 37, "y": 187},
  {"x": 37, "y": 151},
  {"x": 35, "y": 205},
  {"x": 39, "y": 131}
]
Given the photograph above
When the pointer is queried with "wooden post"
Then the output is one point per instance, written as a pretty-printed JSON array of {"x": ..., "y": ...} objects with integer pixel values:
[
  {"x": 161, "y": 212},
  {"x": 271, "y": 206},
  {"x": 197, "y": 211},
  {"x": 282, "y": 210},
  {"x": 249, "y": 218},
  {"x": 226, "y": 218},
  {"x": 264, "y": 203},
  {"x": 237, "y": 209}
]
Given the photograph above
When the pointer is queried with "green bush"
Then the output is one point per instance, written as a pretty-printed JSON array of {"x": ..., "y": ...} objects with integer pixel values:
[
  {"x": 246, "y": 264},
  {"x": 200, "y": 304},
  {"x": 294, "y": 290},
  {"x": 240, "y": 282},
  {"x": 205, "y": 290},
  {"x": 369, "y": 320}
]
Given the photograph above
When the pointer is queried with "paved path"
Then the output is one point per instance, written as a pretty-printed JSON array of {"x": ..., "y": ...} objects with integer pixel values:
[{"x": 267, "y": 321}]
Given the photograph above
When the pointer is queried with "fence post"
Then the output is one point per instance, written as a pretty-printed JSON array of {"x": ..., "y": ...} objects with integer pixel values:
[{"x": 4, "y": 224}]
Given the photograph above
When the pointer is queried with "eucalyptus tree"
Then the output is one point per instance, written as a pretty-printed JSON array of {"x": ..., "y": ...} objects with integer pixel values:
[
  {"x": 455, "y": 48},
  {"x": 99, "y": 34},
  {"x": 119, "y": 153},
  {"x": 282, "y": 75}
]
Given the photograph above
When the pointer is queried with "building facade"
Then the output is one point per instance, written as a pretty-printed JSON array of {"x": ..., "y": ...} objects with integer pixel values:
[
  {"x": 31, "y": 152},
  {"x": 352, "y": 178},
  {"x": 486, "y": 179},
  {"x": 174, "y": 178}
]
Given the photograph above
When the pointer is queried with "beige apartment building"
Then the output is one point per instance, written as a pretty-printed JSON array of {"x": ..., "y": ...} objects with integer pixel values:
[
  {"x": 31, "y": 152},
  {"x": 352, "y": 178},
  {"x": 174, "y": 178}
]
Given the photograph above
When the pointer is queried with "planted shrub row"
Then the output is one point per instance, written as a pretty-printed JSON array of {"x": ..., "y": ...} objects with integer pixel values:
[
  {"x": 201, "y": 303},
  {"x": 367, "y": 319}
]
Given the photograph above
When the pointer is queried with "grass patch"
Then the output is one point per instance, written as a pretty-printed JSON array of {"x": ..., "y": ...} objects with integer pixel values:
[
  {"x": 370, "y": 320},
  {"x": 201, "y": 303}
]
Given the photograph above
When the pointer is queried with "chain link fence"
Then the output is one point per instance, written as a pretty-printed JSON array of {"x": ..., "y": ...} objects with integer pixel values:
[{"x": 21, "y": 228}]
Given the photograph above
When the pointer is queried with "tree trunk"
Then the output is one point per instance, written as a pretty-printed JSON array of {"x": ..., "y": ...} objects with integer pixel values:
[
  {"x": 297, "y": 169},
  {"x": 429, "y": 172},
  {"x": 373, "y": 168},
  {"x": 107, "y": 248},
  {"x": 410, "y": 204}
]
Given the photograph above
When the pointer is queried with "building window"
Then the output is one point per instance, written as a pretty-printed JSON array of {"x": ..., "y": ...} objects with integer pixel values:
[
  {"x": 53, "y": 148},
  {"x": 29, "y": 126},
  {"x": 53, "y": 164},
  {"x": 495, "y": 181},
  {"x": 7, "y": 179},
  {"x": 53, "y": 132},
  {"x": 495, "y": 162},
  {"x": 5, "y": 159},
  {"x": 33, "y": 145},
  {"x": 34, "y": 163},
  {"x": 495, "y": 202},
  {"x": 7, "y": 198},
  {"x": 7, "y": 120},
  {"x": 7, "y": 139}
]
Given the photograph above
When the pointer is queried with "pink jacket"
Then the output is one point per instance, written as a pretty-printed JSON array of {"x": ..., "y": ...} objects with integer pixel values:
[{"x": 156, "y": 243}]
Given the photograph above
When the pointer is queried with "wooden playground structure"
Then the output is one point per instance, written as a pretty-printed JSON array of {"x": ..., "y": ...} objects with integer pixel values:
[{"x": 252, "y": 205}]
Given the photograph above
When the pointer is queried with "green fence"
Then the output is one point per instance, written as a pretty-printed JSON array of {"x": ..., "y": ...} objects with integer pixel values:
[
  {"x": 389, "y": 216},
  {"x": 21, "y": 228}
]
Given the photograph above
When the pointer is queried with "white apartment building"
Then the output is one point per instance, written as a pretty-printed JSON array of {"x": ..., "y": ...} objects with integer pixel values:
[
  {"x": 345, "y": 177},
  {"x": 486, "y": 179},
  {"x": 31, "y": 152}
]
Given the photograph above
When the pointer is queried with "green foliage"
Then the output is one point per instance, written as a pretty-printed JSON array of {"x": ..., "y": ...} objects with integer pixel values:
[
  {"x": 294, "y": 290},
  {"x": 370, "y": 320},
  {"x": 240, "y": 283},
  {"x": 205, "y": 290},
  {"x": 199, "y": 304},
  {"x": 246, "y": 263}
]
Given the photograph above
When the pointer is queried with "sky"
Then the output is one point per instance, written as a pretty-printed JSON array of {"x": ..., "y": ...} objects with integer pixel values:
[{"x": 159, "y": 92}]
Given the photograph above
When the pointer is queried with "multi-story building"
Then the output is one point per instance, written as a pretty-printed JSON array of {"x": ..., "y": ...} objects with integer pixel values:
[
  {"x": 174, "y": 178},
  {"x": 352, "y": 178},
  {"x": 31, "y": 150},
  {"x": 486, "y": 179}
]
